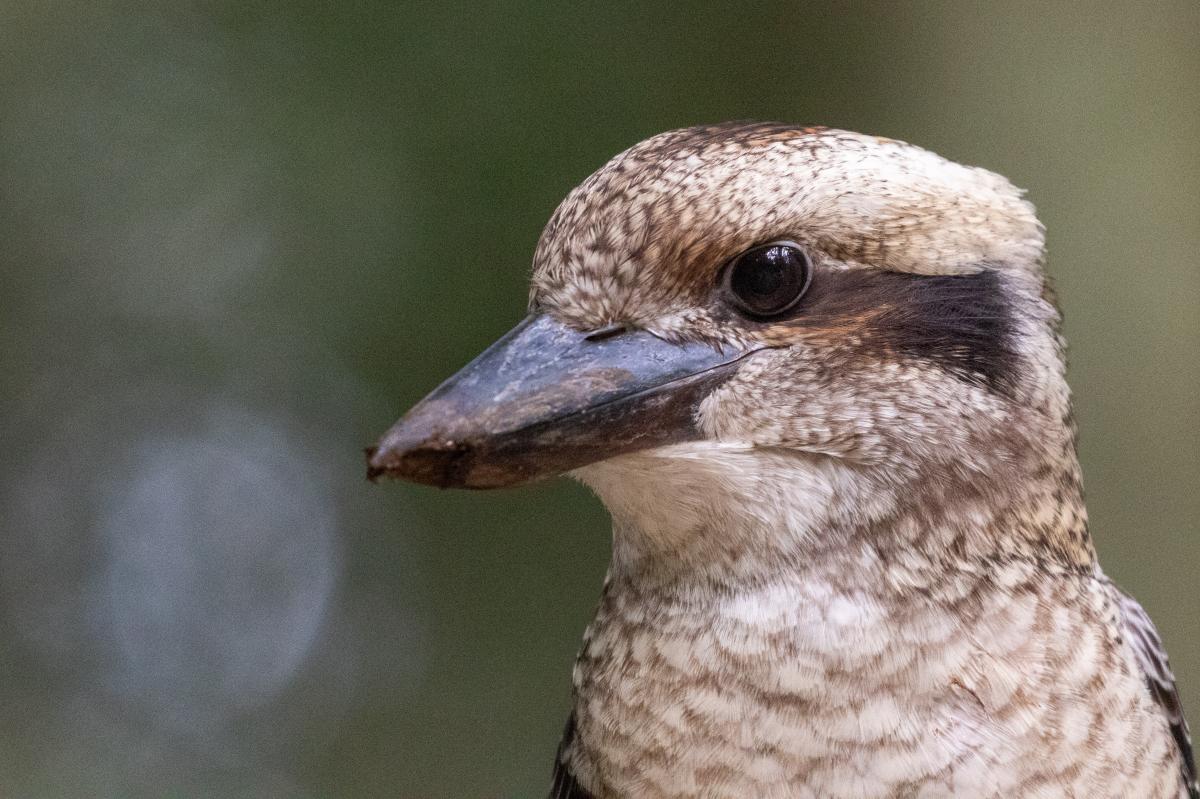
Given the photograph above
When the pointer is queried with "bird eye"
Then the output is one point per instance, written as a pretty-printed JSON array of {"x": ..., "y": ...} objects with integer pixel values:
[{"x": 768, "y": 280}]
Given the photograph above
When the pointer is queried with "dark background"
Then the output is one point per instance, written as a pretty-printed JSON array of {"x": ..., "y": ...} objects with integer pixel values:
[{"x": 238, "y": 239}]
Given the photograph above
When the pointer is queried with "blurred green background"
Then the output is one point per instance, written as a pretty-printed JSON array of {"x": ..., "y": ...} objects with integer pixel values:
[{"x": 238, "y": 239}]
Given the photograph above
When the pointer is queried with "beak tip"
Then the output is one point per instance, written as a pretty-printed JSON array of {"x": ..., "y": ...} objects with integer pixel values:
[
  {"x": 437, "y": 464},
  {"x": 375, "y": 467},
  {"x": 417, "y": 459}
]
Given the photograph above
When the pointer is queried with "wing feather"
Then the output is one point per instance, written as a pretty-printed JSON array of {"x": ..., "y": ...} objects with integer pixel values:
[
  {"x": 1147, "y": 645},
  {"x": 564, "y": 785}
]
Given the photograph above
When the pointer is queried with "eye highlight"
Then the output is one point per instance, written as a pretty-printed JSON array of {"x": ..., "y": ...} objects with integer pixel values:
[{"x": 769, "y": 279}]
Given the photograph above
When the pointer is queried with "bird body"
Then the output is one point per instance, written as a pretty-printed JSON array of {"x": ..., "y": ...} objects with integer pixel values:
[
  {"x": 866, "y": 673},
  {"x": 818, "y": 381}
]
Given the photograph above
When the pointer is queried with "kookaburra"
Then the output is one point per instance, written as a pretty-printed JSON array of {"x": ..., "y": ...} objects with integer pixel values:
[{"x": 817, "y": 379}]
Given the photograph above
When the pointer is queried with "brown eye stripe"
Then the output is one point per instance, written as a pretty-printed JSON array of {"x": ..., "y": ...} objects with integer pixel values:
[{"x": 962, "y": 323}]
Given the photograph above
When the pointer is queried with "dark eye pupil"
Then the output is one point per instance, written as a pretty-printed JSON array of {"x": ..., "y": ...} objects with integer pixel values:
[{"x": 769, "y": 280}]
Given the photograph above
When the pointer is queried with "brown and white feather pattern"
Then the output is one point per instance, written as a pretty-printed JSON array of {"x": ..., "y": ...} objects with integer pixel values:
[
  {"x": 873, "y": 577},
  {"x": 1006, "y": 683}
]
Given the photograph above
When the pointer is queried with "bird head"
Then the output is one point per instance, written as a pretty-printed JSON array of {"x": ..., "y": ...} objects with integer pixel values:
[{"x": 796, "y": 325}]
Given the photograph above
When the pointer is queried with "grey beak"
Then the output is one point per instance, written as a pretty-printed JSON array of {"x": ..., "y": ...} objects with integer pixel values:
[{"x": 546, "y": 399}]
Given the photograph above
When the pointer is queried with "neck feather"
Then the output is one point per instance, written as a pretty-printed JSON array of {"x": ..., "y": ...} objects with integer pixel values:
[{"x": 718, "y": 515}]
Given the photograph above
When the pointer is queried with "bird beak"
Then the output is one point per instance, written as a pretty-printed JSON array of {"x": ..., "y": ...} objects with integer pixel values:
[{"x": 546, "y": 399}]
